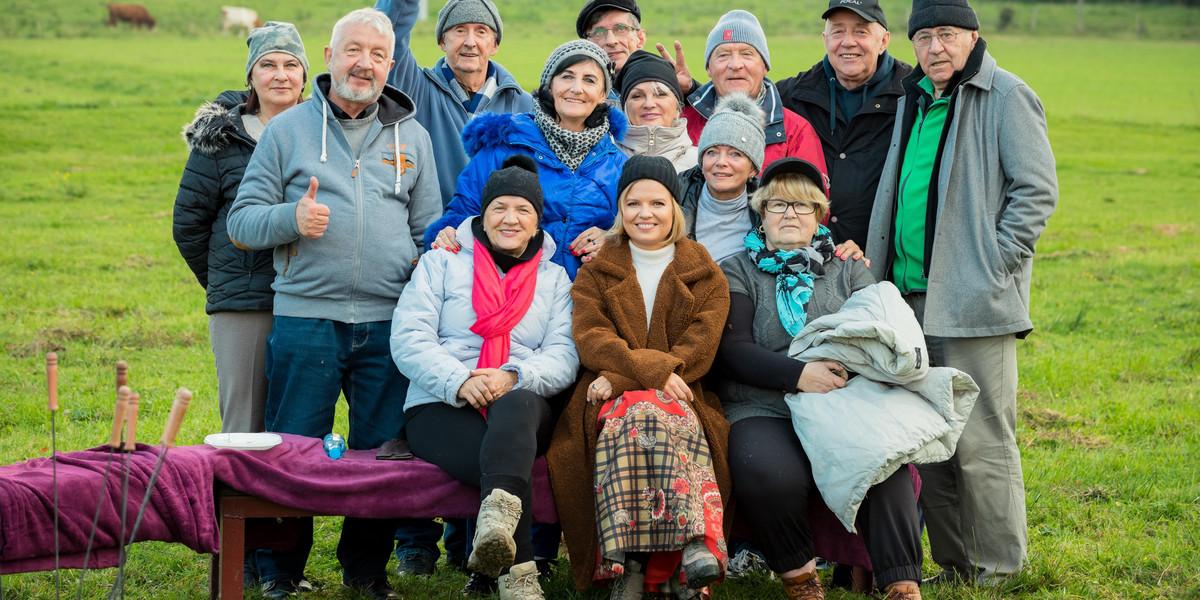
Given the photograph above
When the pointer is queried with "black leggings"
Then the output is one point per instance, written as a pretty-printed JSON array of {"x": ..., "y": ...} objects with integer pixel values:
[
  {"x": 773, "y": 482},
  {"x": 493, "y": 453}
]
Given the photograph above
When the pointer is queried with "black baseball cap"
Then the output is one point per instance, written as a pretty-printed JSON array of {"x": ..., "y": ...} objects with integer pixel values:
[
  {"x": 799, "y": 166},
  {"x": 867, "y": 9}
]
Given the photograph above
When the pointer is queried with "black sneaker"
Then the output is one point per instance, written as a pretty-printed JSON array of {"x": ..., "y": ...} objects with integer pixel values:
[
  {"x": 415, "y": 564},
  {"x": 277, "y": 589},
  {"x": 375, "y": 589},
  {"x": 479, "y": 584},
  {"x": 304, "y": 585}
]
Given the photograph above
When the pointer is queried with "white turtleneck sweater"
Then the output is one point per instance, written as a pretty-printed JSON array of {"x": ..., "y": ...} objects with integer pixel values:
[
  {"x": 721, "y": 225},
  {"x": 649, "y": 266}
]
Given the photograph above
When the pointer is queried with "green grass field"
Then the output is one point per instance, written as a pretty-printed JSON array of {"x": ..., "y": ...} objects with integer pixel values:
[{"x": 90, "y": 159}]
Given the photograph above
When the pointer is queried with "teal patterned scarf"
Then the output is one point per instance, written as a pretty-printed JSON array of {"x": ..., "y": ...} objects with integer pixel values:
[{"x": 795, "y": 271}]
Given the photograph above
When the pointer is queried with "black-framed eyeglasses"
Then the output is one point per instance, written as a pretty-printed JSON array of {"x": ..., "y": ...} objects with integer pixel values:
[
  {"x": 619, "y": 30},
  {"x": 781, "y": 206},
  {"x": 945, "y": 37}
]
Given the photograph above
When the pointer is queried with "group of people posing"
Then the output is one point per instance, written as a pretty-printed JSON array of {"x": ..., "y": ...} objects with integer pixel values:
[{"x": 609, "y": 271}]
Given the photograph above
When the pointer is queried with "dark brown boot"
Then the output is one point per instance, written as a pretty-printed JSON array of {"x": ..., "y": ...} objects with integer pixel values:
[{"x": 806, "y": 586}]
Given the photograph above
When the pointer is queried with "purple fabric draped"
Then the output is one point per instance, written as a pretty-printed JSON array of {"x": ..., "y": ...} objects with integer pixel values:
[{"x": 296, "y": 473}]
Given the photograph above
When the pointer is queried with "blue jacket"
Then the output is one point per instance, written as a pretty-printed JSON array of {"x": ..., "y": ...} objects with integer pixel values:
[
  {"x": 438, "y": 110},
  {"x": 573, "y": 201}
]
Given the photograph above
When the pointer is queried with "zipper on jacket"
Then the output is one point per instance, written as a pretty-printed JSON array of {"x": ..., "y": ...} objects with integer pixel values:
[
  {"x": 354, "y": 173},
  {"x": 900, "y": 202}
]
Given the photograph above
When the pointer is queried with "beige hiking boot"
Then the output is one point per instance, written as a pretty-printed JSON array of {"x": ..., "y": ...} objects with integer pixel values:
[
  {"x": 495, "y": 548},
  {"x": 903, "y": 591},
  {"x": 521, "y": 582}
]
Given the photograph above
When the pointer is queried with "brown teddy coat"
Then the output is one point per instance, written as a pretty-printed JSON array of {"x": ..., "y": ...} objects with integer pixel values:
[{"x": 609, "y": 327}]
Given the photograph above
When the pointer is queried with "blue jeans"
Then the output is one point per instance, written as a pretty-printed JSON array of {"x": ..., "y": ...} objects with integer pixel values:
[
  {"x": 309, "y": 363},
  {"x": 420, "y": 536}
]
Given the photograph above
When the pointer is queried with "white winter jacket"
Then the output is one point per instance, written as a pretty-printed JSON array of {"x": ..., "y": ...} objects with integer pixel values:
[
  {"x": 434, "y": 347},
  {"x": 898, "y": 410}
]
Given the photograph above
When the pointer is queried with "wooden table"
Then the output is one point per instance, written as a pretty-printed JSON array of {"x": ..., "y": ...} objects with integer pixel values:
[{"x": 233, "y": 508}]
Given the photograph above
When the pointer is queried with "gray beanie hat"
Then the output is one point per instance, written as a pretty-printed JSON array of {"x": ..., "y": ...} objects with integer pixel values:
[
  {"x": 275, "y": 36},
  {"x": 577, "y": 48},
  {"x": 941, "y": 13},
  {"x": 738, "y": 123},
  {"x": 457, "y": 12},
  {"x": 738, "y": 26}
]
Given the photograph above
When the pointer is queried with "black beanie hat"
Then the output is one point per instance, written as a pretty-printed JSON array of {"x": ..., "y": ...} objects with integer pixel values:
[
  {"x": 642, "y": 66},
  {"x": 657, "y": 168},
  {"x": 518, "y": 176},
  {"x": 941, "y": 13}
]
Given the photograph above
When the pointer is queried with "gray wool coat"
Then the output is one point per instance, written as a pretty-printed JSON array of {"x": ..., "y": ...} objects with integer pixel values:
[{"x": 996, "y": 190}]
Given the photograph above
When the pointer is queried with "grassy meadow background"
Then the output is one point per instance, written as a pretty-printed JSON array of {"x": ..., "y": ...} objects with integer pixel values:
[{"x": 90, "y": 159}]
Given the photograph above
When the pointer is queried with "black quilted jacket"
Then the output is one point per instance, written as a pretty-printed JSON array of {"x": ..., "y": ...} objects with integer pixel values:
[{"x": 234, "y": 279}]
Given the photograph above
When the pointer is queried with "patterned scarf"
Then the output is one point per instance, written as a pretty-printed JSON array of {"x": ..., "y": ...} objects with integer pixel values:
[
  {"x": 795, "y": 272},
  {"x": 571, "y": 147}
]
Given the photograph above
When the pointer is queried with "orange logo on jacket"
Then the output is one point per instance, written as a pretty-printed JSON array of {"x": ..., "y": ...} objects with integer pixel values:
[{"x": 390, "y": 158}]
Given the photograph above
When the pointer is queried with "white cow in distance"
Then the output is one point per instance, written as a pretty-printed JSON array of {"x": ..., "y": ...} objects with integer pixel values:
[{"x": 238, "y": 17}]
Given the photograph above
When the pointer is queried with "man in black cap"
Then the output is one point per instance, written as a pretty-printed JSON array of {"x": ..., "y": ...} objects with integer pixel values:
[
  {"x": 966, "y": 192},
  {"x": 615, "y": 26},
  {"x": 850, "y": 100}
]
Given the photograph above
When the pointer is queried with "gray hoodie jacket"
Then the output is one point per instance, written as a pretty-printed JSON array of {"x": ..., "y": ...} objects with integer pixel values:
[{"x": 380, "y": 202}]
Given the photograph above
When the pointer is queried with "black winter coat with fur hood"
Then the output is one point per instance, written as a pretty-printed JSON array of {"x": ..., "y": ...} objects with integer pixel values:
[{"x": 234, "y": 279}]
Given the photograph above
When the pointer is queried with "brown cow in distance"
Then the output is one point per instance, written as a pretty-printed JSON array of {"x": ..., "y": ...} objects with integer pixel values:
[{"x": 135, "y": 14}]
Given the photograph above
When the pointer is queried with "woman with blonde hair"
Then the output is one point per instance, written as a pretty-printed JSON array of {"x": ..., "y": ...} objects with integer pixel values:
[
  {"x": 786, "y": 276},
  {"x": 638, "y": 458}
]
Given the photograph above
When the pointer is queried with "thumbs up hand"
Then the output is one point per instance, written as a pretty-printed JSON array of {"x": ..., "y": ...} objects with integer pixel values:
[{"x": 311, "y": 217}]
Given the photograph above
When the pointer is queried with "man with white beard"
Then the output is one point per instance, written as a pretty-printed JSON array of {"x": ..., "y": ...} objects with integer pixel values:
[{"x": 342, "y": 256}]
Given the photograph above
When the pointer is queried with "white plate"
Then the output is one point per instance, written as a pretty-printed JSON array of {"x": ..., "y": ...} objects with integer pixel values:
[{"x": 243, "y": 441}]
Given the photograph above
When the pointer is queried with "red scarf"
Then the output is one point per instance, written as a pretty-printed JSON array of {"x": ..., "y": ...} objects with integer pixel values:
[{"x": 500, "y": 303}]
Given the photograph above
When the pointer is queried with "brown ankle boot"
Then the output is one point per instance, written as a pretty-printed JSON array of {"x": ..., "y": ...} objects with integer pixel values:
[
  {"x": 903, "y": 591},
  {"x": 803, "y": 587}
]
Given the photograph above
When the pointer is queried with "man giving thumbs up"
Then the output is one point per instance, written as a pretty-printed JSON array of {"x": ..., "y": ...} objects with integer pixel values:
[{"x": 340, "y": 262}]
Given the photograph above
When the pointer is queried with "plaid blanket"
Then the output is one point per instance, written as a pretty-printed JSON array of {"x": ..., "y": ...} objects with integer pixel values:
[{"x": 655, "y": 486}]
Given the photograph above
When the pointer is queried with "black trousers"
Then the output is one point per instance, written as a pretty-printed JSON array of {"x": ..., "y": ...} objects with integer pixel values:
[
  {"x": 496, "y": 453},
  {"x": 773, "y": 482}
]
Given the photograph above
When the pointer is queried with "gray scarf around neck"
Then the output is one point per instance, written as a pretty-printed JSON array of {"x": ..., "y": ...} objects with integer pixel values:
[{"x": 571, "y": 147}]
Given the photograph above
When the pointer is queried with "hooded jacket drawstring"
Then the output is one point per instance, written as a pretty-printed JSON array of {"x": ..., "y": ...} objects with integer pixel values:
[
  {"x": 324, "y": 132},
  {"x": 396, "y": 154},
  {"x": 832, "y": 104}
]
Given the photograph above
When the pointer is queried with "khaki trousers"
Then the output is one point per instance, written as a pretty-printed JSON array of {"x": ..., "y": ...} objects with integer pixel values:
[
  {"x": 974, "y": 503},
  {"x": 239, "y": 343}
]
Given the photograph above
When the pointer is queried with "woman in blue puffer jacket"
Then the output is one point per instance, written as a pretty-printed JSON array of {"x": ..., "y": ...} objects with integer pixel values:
[{"x": 570, "y": 134}]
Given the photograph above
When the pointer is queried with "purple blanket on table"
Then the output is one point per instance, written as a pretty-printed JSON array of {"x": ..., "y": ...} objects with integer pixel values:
[
  {"x": 296, "y": 473},
  {"x": 180, "y": 510}
]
